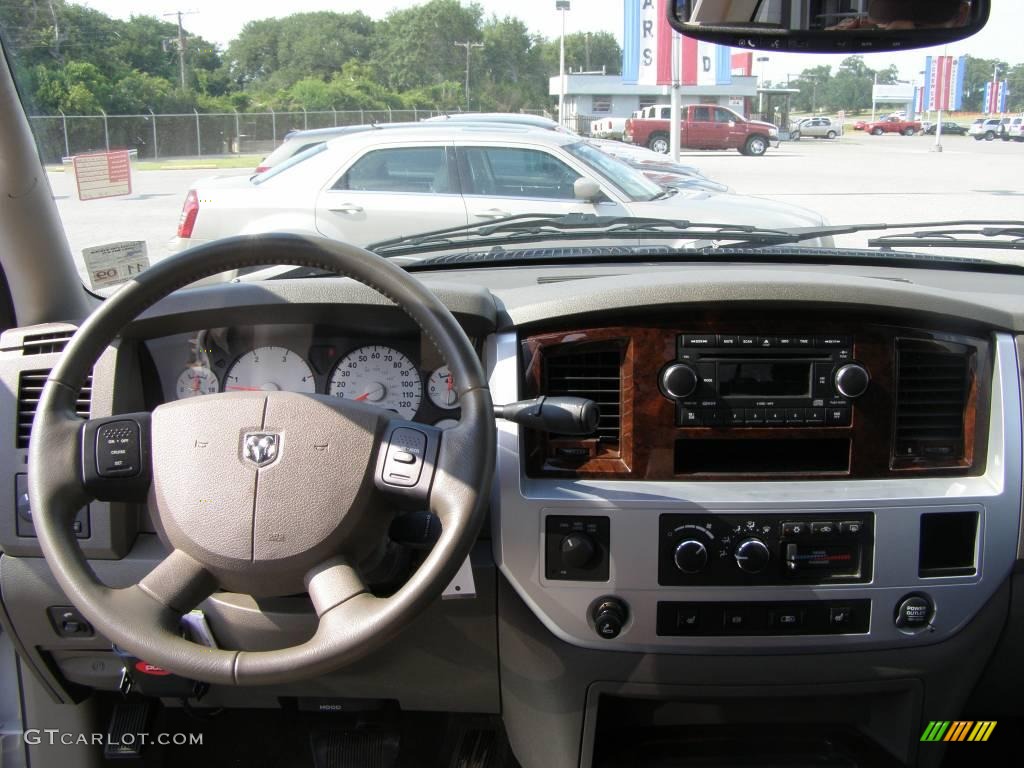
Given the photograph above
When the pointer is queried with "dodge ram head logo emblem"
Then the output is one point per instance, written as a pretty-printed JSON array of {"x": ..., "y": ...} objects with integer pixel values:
[{"x": 261, "y": 448}]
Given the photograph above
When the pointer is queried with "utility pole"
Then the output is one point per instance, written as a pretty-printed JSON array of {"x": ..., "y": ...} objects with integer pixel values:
[
  {"x": 469, "y": 49},
  {"x": 181, "y": 42},
  {"x": 561, "y": 6}
]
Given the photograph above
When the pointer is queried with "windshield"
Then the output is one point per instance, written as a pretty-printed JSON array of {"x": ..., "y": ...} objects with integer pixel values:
[
  {"x": 159, "y": 130},
  {"x": 629, "y": 180}
]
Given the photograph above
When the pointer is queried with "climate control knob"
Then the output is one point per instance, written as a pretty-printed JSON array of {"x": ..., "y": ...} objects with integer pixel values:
[
  {"x": 691, "y": 556},
  {"x": 678, "y": 381},
  {"x": 852, "y": 380},
  {"x": 751, "y": 555},
  {"x": 577, "y": 550}
]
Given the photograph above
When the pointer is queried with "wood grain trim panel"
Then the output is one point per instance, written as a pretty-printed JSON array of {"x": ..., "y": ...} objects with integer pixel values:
[{"x": 649, "y": 434}]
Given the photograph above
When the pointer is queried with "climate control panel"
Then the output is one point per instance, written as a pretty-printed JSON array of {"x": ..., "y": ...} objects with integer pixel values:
[{"x": 738, "y": 550}]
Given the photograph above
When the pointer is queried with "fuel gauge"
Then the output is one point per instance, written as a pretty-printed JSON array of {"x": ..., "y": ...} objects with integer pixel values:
[
  {"x": 441, "y": 389},
  {"x": 197, "y": 380}
]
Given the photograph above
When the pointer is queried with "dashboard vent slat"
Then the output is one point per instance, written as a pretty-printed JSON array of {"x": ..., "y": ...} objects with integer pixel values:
[
  {"x": 932, "y": 383},
  {"x": 45, "y": 343},
  {"x": 593, "y": 371},
  {"x": 30, "y": 389}
]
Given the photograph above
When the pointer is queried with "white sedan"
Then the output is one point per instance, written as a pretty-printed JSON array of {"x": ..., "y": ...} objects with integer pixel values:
[{"x": 375, "y": 185}]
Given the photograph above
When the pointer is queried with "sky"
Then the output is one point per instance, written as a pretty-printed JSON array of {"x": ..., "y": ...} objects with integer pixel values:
[{"x": 220, "y": 21}]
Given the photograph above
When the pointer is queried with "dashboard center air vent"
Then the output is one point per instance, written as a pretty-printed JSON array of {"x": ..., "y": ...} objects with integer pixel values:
[
  {"x": 932, "y": 383},
  {"x": 45, "y": 343},
  {"x": 592, "y": 371},
  {"x": 30, "y": 389}
]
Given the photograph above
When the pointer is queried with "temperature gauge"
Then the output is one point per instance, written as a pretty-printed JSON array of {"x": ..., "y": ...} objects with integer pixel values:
[
  {"x": 441, "y": 389},
  {"x": 197, "y": 380}
]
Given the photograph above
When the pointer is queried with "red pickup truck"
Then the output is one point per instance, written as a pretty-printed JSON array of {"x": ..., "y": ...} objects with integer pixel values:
[
  {"x": 893, "y": 124},
  {"x": 703, "y": 127}
]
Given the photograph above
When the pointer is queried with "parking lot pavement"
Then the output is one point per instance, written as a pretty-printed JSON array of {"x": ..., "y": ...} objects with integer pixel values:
[{"x": 854, "y": 179}]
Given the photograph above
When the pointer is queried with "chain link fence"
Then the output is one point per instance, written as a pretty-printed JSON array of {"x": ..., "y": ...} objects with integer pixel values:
[{"x": 196, "y": 134}]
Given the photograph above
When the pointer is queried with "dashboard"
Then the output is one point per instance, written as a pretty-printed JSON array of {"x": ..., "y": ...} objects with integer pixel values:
[{"x": 394, "y": 372}]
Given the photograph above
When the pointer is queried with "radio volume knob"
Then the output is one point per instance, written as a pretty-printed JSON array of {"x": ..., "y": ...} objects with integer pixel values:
[
  {"x": 678, "y": 381},
  {"x": 752, "y": 555},
  {"x": 852, "y": 380},
  {"x": 691, "y": 556}
]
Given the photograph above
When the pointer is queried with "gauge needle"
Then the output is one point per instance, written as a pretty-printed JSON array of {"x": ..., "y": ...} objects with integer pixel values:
[
  {"x": 362, "y": 396},
  {"x": 244, "y": 389}
]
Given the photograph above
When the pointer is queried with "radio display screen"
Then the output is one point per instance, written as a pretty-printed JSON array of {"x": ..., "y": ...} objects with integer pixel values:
[{"x": 757, "y": 378}]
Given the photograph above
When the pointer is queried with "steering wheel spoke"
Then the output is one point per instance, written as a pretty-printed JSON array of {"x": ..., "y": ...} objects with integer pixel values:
[
  {"x": 406, "y": 462},
  {"x": 116, "y": 457},
  {"x": 179, "y": 582},
  {"x": 332, "y": 583}
]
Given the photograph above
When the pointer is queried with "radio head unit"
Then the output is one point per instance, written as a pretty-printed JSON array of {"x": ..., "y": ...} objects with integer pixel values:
[{"x": 755, "y": 381}]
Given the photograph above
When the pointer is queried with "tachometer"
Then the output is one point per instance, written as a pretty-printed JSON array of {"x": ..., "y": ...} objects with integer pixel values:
[
  {"x": 270, "y": 369},
  {"x": 380, "y": 376},
  {"x": 441, "y": 389},
  {"x": 197, "y": 380}
]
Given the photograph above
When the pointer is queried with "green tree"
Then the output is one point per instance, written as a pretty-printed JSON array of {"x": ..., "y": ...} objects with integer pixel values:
[
  {"x": 589, "y": 51},
  {"x": 415, "y": 47}
]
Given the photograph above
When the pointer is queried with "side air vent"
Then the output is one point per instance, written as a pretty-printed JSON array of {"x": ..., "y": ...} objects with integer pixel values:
[
  {"x": 931, "y": 395},
  {"x": 30, "y": 389},
  {"x": 591, "y": 371},
  {"x": 45, "y": 343}
]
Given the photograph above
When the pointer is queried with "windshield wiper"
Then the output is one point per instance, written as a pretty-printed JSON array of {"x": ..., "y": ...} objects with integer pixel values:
[
  {"x": 533, "y": 228},
  {"x": 963, "y": 233}
]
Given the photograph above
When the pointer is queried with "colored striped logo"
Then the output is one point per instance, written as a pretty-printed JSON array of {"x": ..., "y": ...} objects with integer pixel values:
[{"x": 958, "y": 730}]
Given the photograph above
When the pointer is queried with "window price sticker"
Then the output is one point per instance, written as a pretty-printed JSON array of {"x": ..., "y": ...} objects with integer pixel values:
[{"x": 115, "y": 263}]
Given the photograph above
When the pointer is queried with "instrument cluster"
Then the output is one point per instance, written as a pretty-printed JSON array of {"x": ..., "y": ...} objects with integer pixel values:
[{"x": 399, "y": 374}]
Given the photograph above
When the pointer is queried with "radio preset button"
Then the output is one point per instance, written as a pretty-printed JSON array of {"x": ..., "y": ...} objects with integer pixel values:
[
  {"x": 753, "y": 416},
  {"x": 815, "y": 416},
  {"x": 795, "y": 416},
  {"x": 689, "y": 417},
  {"x": 713, "y": 417},
  {"x": 837, "y": 417},
  {"x": 775, "y": 416}
]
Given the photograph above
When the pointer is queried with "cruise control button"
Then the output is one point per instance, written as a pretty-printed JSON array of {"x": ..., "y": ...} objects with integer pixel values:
[
  {"x": 404, "y": 457},
  {"x": 118, "y": 449}
]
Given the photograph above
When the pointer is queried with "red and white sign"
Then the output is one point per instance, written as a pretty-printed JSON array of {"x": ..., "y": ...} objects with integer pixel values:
[{"x": 103, "y": 174}]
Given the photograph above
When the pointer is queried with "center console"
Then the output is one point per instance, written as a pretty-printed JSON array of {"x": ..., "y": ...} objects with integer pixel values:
[{"x": 815, "y": 485}]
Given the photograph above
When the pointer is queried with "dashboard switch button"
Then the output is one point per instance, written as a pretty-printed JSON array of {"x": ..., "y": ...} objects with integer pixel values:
[{"x": 118, "y": 449}]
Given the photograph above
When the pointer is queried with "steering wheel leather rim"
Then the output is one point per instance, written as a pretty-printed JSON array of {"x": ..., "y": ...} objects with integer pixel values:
[{"x": 144, "y": 618}]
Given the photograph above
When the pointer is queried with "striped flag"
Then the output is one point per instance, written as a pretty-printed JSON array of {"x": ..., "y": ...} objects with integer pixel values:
[{"x": 996, "y": 95}]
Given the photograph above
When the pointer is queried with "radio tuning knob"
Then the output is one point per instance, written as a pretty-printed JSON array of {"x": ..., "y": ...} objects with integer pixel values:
[
  {"x": 678, "y": 381},
  {"x": 852, "y": 380},
  {"x": 752, "y": 555}
]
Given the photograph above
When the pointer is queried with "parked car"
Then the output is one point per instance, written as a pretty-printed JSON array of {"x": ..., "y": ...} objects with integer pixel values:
[
  {"x": 948, "y": 129},
  {"x": 893, "y": 124},
  {"x": 703, "y": 126},
  {"x": 860, "y": 125},
  {"x": 370, "y": 185},
  {"x": 1016, "y": 129},
  {"x": 985, "y": 128},
  {"x": 817, "y": 127},
  {"x": 1011, "y": 129}
]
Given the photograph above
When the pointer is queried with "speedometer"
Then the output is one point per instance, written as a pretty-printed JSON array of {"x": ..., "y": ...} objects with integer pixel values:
[
  {"x": 270, "y": 369},
  {"x": 380, "y": 376}
]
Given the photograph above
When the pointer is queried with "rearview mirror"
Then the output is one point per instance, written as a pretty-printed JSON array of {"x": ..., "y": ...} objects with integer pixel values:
[
  {"x": 827, "y": 26},
  {"x": 586, "y": 189}
]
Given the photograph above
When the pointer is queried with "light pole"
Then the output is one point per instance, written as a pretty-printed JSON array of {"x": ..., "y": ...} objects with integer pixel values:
[
  {"x": 762, "y": 60},
  {"x": 563, "y": 7},
  {"x": 469, "y": 49}
]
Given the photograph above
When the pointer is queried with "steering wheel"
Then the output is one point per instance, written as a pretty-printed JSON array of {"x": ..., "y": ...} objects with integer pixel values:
[{"x": 266, "y": 493}]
